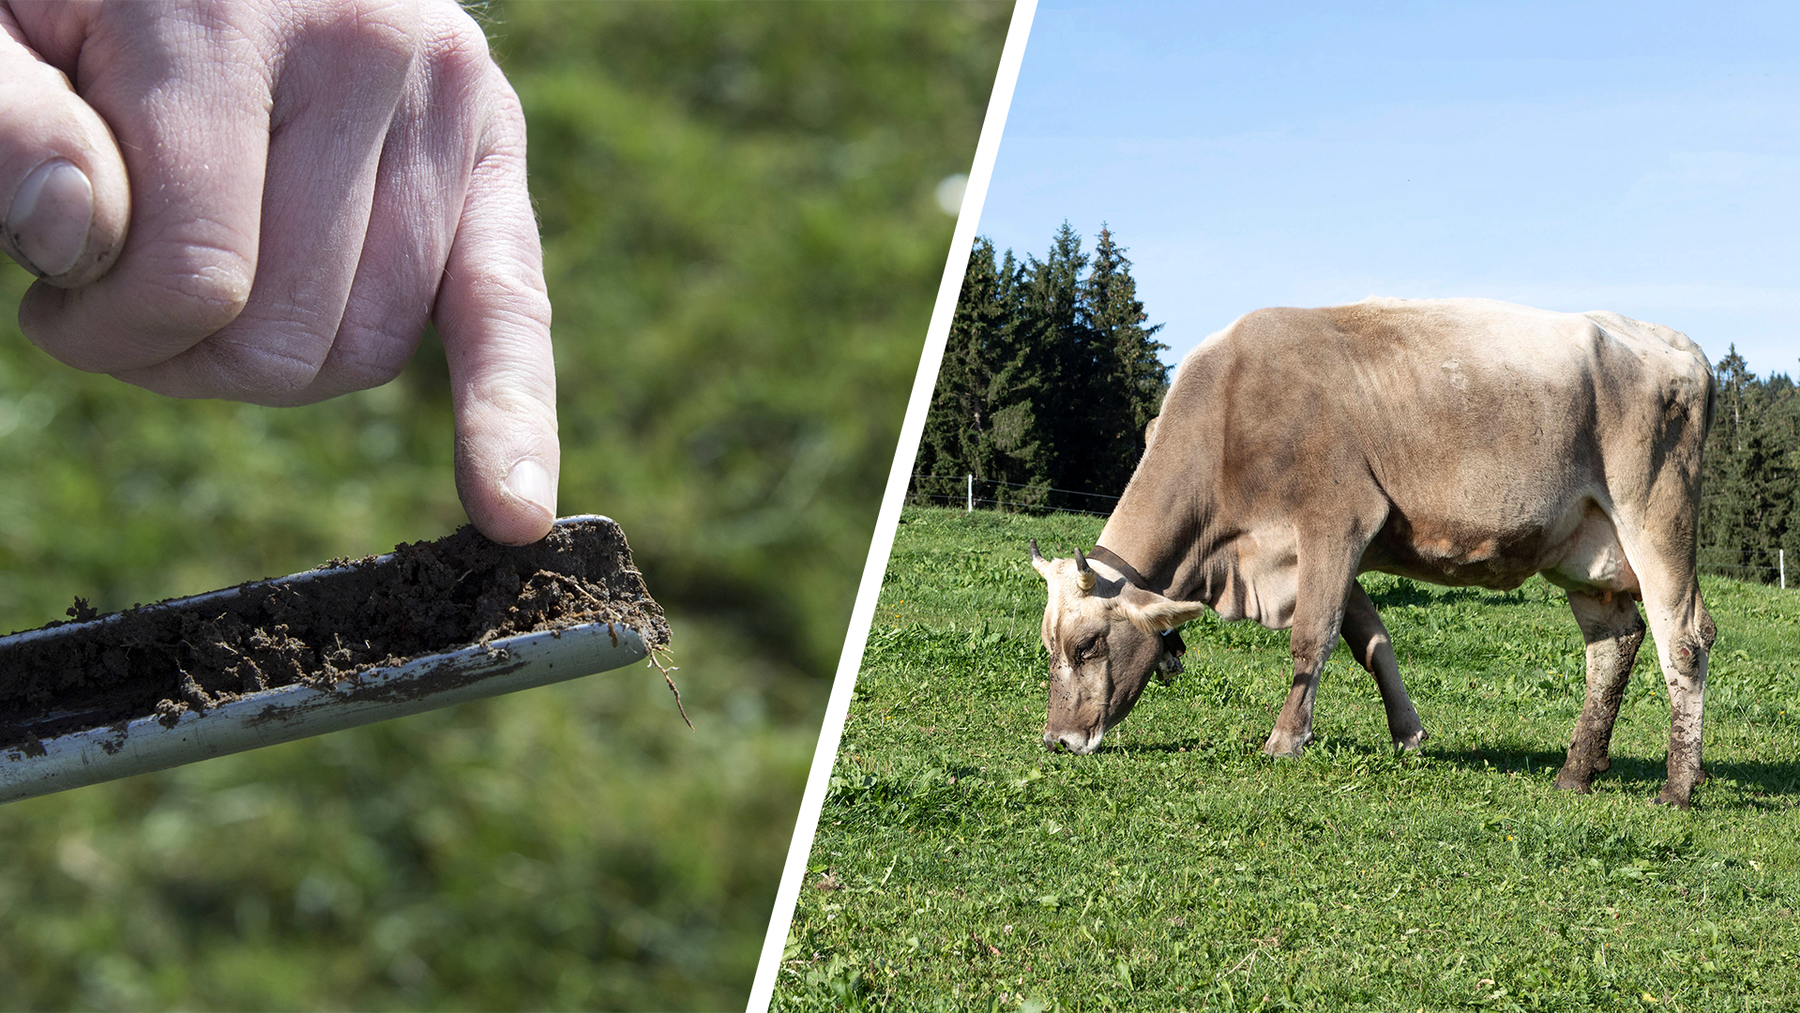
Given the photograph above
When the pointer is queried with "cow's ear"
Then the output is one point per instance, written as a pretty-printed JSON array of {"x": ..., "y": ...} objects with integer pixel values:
[{"x": 1153, "y": 613}]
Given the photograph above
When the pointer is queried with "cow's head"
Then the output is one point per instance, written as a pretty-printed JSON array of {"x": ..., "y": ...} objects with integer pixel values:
[{"x": 1106, "y": 638}]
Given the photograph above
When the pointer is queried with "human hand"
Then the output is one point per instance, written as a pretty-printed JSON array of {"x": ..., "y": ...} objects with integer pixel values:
[{"x": 266, "y": 200}]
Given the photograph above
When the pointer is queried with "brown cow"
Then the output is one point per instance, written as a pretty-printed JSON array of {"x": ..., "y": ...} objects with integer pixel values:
[{"x": 1456, "y": 441}]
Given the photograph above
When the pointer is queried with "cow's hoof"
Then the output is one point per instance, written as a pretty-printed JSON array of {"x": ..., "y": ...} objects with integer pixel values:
[
  {"x": 1285, "y": 749},
  {"x": 1678, "y": 799},
  {"x": 1566, "y": 781},
  {"x": 1411, "y": 743}
]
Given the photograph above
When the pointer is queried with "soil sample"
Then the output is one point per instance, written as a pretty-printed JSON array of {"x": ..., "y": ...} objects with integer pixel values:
[{"x": 318, "y": 628}]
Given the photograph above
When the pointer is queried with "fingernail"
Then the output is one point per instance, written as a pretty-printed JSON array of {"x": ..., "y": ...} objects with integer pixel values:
[
  {"x": 530, "y": 482},
  {"x": 50, "y": 217}
]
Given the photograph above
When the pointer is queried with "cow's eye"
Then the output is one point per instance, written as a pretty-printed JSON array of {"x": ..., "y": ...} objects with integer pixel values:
[{"x": 1092, "y": 647}]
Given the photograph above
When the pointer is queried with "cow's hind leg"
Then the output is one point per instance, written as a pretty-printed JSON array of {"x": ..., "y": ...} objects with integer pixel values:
[
  {"x": 1684, "y": 634},
  {"x": 1661, "y": 550},
  {"x": 1367, "y": 638},
  {"x": 1613, "y": 631}
]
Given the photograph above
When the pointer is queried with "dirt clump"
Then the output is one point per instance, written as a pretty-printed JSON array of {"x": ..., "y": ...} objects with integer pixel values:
[{"x": 319, "y": 628}]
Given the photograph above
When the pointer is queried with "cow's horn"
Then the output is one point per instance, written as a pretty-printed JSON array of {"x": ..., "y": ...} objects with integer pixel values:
[
  {"x": 1084, "y": 574},
  {"x": 1038, "y": 562}
]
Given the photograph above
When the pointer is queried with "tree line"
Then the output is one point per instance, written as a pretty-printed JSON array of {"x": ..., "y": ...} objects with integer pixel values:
[
  {"x": 1048, "y": 379},
  {"x": 1051, "y": 373},
  {"x": 1751, "y": 477}
]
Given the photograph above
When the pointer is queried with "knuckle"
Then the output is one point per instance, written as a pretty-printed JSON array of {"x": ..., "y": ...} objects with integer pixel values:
[
  {"x": 366, "y": 375},
  {"x": 198, "y": 291},
  {"x": 502, "y": 142},
  {"x": 384, "y": 34},
  {"x": 516, "y": 393},
  {"x": 456, "y": 46},
  {"x": 367, "y": 357},
  {"x": 264, "y": 370},
  {"x": 375, "y": 29},
  {"x": 462, "y": 71},
  {"x": 390, "y": 26},
  {"x": 514, "y": 294},
  {"x": 354, "y": 55}
]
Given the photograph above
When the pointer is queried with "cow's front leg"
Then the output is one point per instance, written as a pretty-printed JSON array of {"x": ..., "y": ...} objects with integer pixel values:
[
  {"x": 1293, "y": 729},
  {"x": 1367, "y": 638},
  {"x": 1613, "y": 630},
  {"x": 1324, "y": 580}
]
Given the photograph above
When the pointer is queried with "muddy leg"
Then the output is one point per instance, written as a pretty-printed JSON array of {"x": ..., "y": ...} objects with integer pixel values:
[
  {"x": 1684, "y": 637},
  {"x": 1661, "y": 550},
  {"x": 1368, "y": 641},
  {"x": 1613, "y": 631}
]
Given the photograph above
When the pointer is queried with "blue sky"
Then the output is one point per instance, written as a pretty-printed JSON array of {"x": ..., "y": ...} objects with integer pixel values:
[{"x": 1643, "y": 158}]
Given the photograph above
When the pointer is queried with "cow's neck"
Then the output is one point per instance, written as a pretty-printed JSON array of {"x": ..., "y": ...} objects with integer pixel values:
[{"x": 1165, "y": 550}]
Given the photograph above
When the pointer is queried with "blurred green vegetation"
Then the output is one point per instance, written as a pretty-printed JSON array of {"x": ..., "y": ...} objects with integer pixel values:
[{"x": 743, "y": 248}]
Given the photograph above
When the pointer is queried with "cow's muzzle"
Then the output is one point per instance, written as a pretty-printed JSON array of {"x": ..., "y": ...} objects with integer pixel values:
[
  {"x": 1079, "y": 743},
  {"x": 1168, "y": 666}
]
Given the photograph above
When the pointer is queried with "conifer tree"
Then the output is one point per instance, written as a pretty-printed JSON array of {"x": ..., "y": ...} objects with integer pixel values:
[
  {"x": 1130, "y": 379},
  {"x": 1751, "y": 472},
  {"x": 983, "y": 419},
  {"x": 1019, "y": 459},
  {"x": 1058, "y": 353},
  {"x": 1047, "y": 380}
]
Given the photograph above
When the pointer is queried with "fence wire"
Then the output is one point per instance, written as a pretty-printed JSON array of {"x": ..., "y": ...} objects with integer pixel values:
[
  {"x": 954, "y": 490},
  {"x": 1765, "y": 574},
  {"x": 1016, "y": 485}
]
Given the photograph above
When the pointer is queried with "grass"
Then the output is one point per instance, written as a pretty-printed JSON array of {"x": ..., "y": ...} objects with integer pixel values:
[{"x": 960, "y": 866}]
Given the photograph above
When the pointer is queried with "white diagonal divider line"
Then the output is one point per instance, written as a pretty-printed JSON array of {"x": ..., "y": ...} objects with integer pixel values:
[{"x": 899, "y": 477}]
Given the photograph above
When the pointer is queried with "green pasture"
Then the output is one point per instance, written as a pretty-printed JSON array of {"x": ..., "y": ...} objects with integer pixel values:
[
  {"x": 743, "y": 248},
  {"x": 960, "y": 866}
]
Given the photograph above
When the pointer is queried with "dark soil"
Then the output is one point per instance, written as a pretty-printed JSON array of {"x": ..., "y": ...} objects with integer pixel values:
[{"x": 426, "y": 598}]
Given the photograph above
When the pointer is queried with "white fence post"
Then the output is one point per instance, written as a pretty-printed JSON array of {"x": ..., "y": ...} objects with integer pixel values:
[
  {"x": 1781, "y": 564},
  {"x": 971, "y": 493}
]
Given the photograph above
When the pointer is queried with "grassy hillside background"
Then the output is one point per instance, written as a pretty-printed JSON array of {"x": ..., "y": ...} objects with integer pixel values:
[
  {"x": 960, "y": 866},
  {"x": 743, "y": 248}
]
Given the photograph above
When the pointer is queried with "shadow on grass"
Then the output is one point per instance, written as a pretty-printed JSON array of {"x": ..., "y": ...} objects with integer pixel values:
[
  {"x": 1647, "y": 775},
  {"x": 1190, "y": 744},
  {"x": 1770, "y": 782},
  {"x": 1413, "y": 593}
]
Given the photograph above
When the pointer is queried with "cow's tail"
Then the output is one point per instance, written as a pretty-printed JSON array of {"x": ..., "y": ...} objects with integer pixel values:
[{"x": 1712, "y": 394}]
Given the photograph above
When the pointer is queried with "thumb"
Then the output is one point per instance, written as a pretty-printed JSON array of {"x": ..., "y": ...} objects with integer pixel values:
[{"x": 63, "y": 188}]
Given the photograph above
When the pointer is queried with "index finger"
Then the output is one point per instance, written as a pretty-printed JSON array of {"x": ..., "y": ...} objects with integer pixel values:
[{"x": 493, "y": 315}]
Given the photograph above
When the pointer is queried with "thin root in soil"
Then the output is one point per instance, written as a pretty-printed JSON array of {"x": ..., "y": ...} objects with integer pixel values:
[{"x": 666, "y": 671}]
